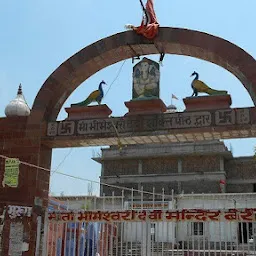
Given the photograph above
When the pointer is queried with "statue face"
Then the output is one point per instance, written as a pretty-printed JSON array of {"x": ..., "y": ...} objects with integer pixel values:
[{"x": 144, "y": 66}]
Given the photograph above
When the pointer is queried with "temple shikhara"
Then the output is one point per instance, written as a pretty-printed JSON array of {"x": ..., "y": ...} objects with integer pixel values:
[{"x": 168, "y": 184}]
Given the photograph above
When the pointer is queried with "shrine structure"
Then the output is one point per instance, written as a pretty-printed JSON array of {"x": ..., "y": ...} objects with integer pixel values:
[{"x": 30, "y": 137}]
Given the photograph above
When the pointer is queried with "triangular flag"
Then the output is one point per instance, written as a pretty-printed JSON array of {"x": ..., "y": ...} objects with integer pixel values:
[{"x": 174, "y": 97}]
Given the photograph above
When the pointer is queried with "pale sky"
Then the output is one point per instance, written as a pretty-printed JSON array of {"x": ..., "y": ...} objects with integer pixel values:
[{"x": 37, "y": 36}]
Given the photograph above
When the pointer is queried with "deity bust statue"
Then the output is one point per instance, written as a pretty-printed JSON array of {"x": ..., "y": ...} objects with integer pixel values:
[{"x": 146, "y": 78}]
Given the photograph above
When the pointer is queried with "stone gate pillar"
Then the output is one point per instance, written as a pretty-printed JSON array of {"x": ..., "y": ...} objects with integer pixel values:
[{"x": 21, "y": 140}]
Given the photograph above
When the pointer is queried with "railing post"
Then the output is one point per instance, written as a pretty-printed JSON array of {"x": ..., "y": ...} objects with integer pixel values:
[
  {"x": 38, "y": 235},
  {"x": 45, "y": 234}
]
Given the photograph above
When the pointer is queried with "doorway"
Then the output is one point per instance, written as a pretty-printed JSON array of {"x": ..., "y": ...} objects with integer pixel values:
[
  {"x": 245, "y": 232},
  {"x": 153, "y": 232}
]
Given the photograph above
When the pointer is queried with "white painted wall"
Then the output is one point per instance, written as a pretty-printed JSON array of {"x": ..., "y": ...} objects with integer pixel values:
[
  {"x": 218, "y": 203},
  {"x": 214, "y": 231},
  {"x": 165, "y": 232},
  {"x": 136, "y": 231}
]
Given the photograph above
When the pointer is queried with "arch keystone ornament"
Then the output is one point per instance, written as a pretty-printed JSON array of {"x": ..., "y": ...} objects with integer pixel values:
[{"x": 31, "y": 138}]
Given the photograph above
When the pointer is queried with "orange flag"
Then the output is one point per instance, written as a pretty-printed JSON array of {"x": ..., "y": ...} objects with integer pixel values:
[{"x": 149, "y": 30}]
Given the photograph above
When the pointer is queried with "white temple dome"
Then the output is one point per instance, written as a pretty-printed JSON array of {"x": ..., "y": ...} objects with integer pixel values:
[
  {"x": 171, "y": 108},
  {"x": 18, "y": 106}
]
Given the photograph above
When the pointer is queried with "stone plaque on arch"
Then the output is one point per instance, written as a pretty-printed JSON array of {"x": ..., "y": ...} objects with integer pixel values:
[{"x": 146, "y": 76}]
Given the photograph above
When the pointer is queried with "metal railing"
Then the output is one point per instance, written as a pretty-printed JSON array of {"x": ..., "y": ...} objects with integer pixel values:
[{"x": 189, "y": 225}]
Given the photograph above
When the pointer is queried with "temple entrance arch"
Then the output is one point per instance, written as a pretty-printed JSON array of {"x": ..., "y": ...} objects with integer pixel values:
[
  {"x": 27, "y": 138},
  {"x": 70, "y": 74}
]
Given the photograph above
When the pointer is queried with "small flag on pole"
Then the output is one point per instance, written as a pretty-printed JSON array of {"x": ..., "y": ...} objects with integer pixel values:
[{"x": 174, "y": 97}]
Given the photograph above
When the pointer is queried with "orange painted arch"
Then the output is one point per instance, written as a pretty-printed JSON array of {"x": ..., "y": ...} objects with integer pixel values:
[{"x": 74, "y": 71}]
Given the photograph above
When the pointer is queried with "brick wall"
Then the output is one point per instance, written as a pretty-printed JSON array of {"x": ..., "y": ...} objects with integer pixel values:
[
  {"x": 23, "y": 141},
  {"x": 200, "y": 163},
  {"x": 168, "y": 187},
  {"x": 241, "y": 168},
  {"x": 200, "y": 186},
  {"x": 149, "y": 166},
  {"x": 160, "y": 165},
  {"x": 165, "y": 165},
  {"x": 121, "y": 167},
  {"x": 239, "y": 188},
  {"x": 108, "y": 191}
]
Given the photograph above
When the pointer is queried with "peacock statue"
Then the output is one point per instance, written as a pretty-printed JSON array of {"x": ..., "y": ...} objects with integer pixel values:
[
  {"x": 199, "y": 86},
  {"x": 95, "y": 96}
]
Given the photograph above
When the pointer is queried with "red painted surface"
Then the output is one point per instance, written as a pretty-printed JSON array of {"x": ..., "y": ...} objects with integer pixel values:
[
  {"x": 140, "y": 107},
  {"x": 207, "y": 102},
  {"x": 88, "y": 112}
]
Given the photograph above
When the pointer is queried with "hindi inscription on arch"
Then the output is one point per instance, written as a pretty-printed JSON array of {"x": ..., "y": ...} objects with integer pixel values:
[{"x": 147, "y": 123}]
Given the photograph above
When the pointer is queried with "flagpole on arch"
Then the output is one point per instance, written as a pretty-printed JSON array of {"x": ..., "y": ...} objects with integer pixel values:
[{"x": 173, "y": 97}]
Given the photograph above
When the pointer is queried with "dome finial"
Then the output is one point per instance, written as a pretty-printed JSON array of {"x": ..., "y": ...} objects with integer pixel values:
[
  {"x": 18, "y": 106},
  {"x": 20, "y": 90}
]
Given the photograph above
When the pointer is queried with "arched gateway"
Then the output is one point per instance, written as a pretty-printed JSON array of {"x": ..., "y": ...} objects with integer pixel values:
[
  {"x": 25, "y": 137},
  {"x": 69, "y": 75}
]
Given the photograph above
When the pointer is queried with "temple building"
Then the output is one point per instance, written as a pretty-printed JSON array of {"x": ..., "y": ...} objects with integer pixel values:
[
  {"x": 205, "y": 167},
  {"x": 202, "y": 166}
]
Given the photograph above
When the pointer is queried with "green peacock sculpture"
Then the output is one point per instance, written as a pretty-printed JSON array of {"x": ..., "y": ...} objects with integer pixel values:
[
  {"x": 95, "y": 96},
  {"x": 199, "y": 86}
]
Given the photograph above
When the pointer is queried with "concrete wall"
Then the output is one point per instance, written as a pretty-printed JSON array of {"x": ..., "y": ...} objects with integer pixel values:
[{"x": 164, "y": 150}]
